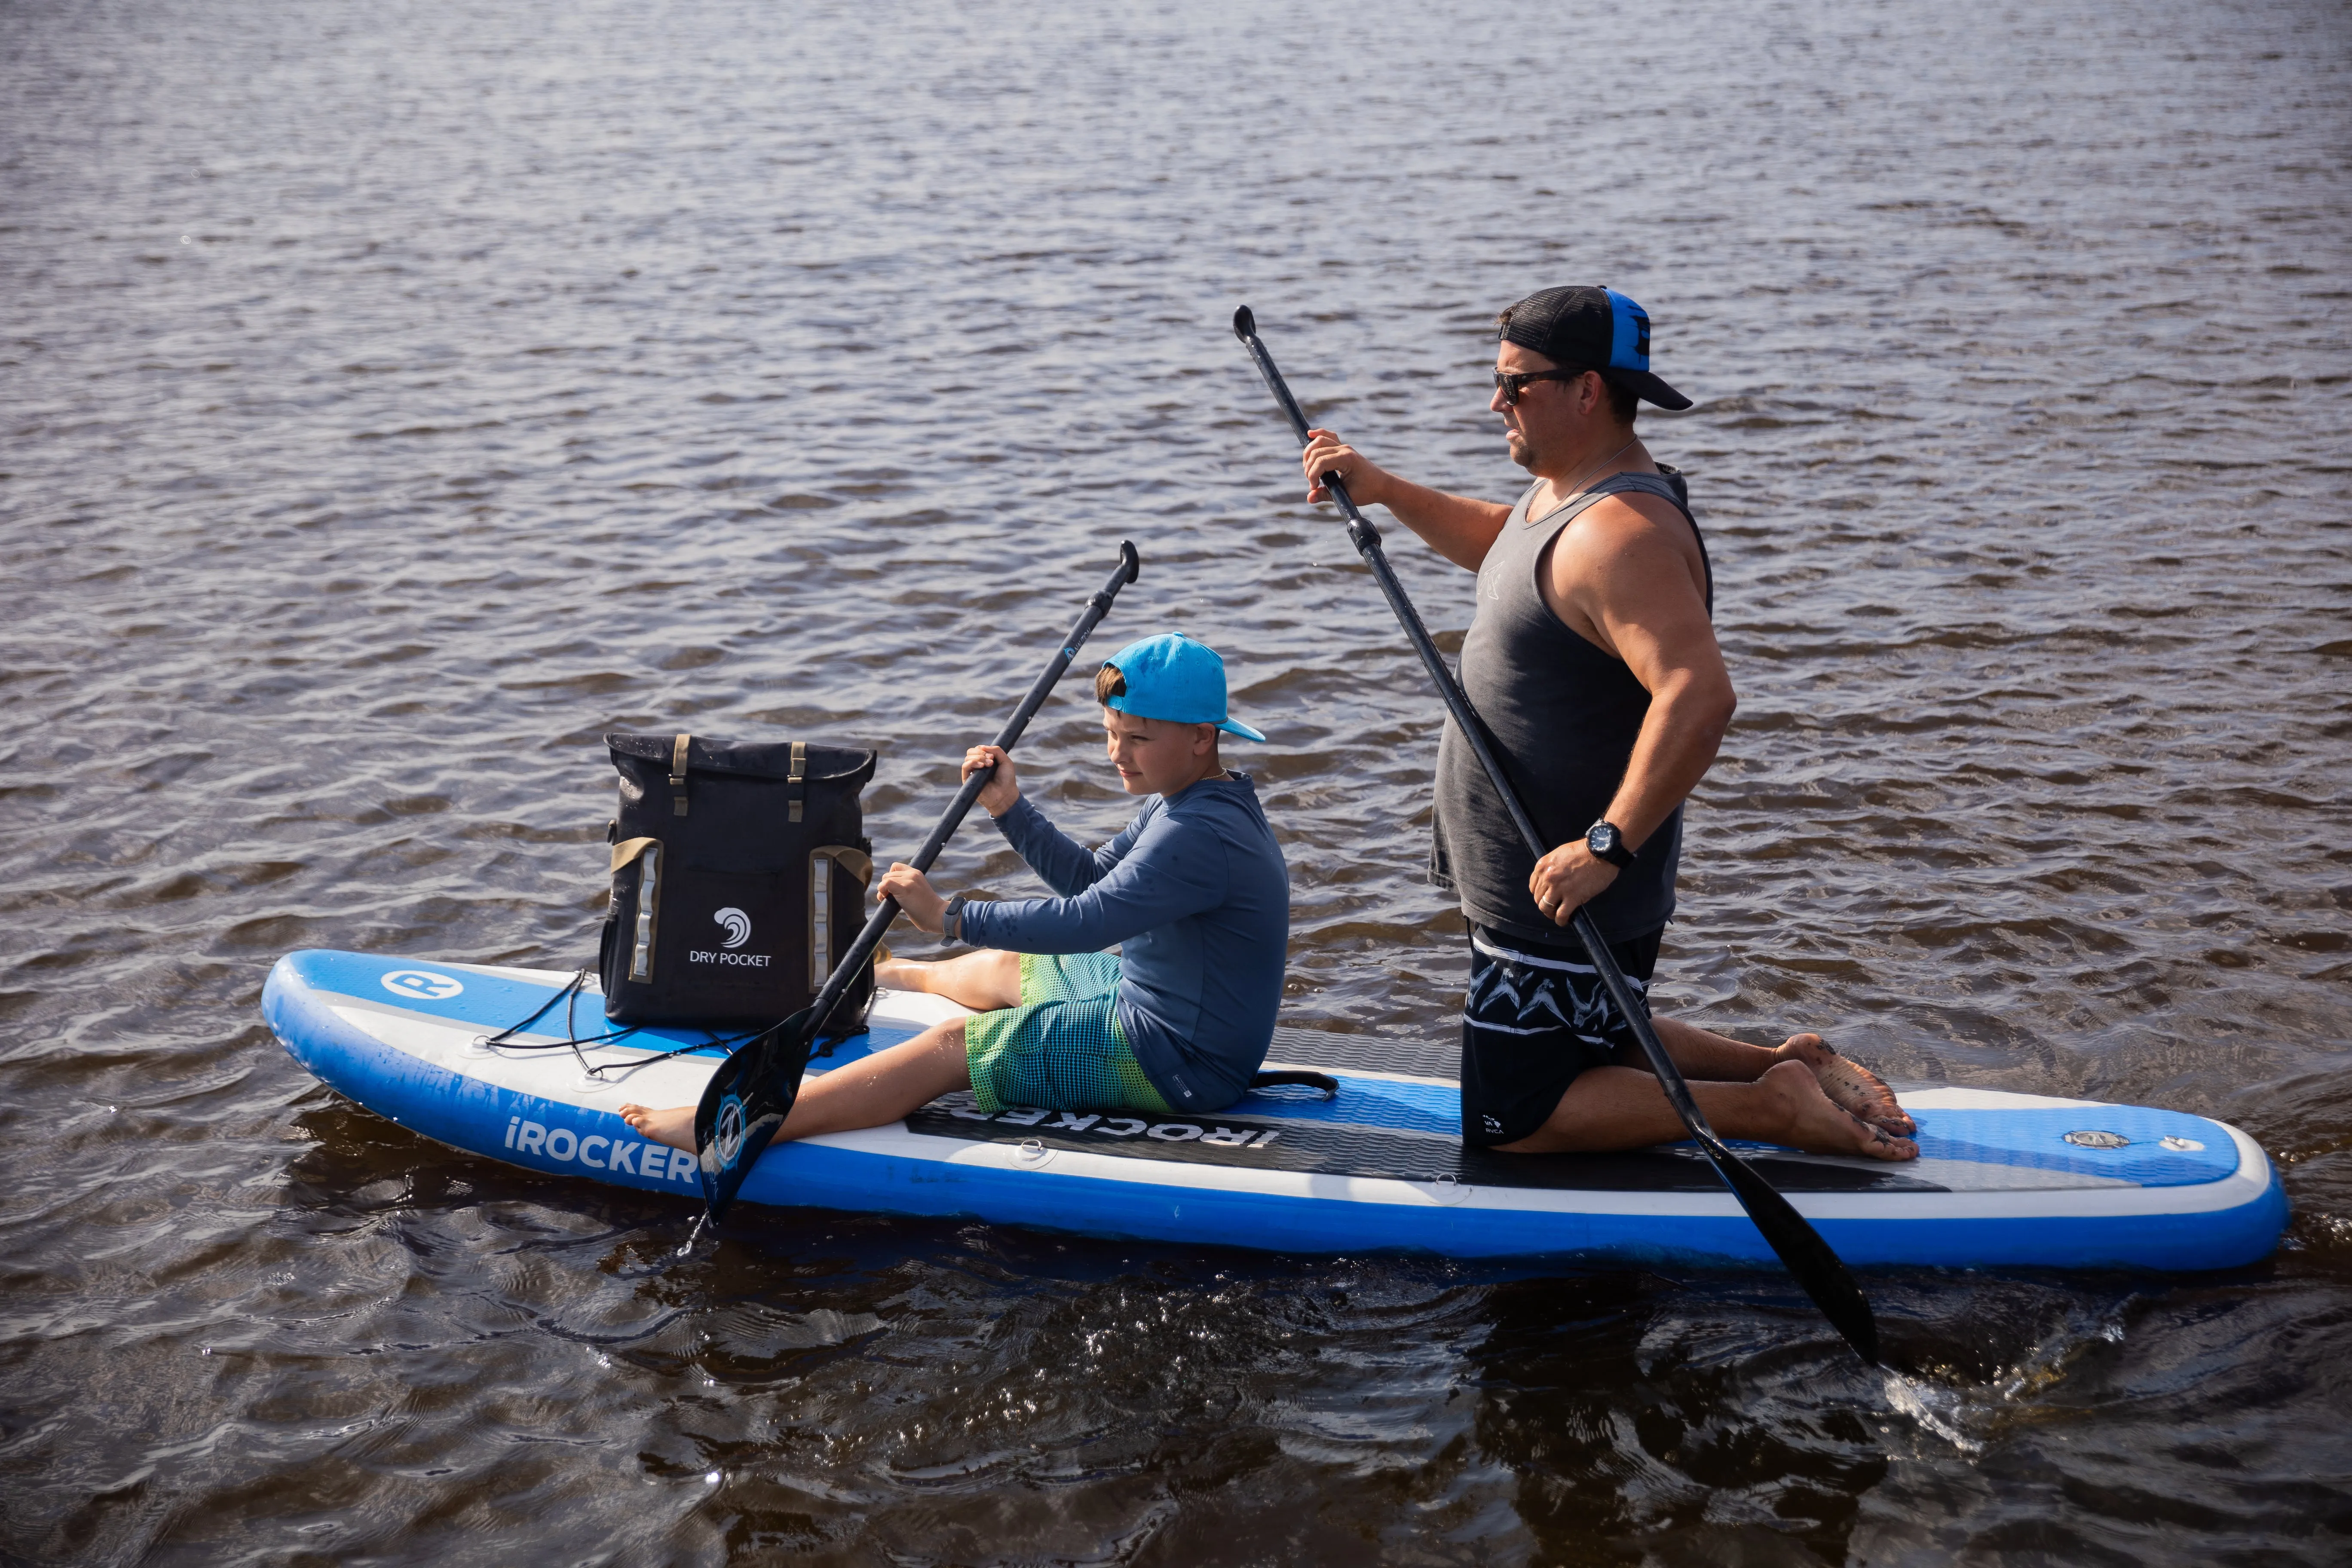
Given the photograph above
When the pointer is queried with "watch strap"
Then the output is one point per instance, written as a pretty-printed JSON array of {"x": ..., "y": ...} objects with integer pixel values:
[{"x": 1617, "y": 855}]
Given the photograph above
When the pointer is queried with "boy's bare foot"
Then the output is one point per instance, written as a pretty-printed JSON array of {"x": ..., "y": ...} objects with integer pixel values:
[
  {"x": 1818, "y": 1126},
  {"x": 899, "y": 974},
  {"x": 674, "y": 1127},
  {"x": 1851, "y": 1087}
]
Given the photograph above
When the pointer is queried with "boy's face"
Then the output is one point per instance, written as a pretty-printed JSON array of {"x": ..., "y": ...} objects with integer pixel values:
[{"x": 1154, "y": 756}]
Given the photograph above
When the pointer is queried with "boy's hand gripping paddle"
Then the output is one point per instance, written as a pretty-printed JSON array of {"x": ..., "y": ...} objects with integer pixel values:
[
  {"x": 1817, "y": 1268},
  {"x": 752, "y": 1091}
]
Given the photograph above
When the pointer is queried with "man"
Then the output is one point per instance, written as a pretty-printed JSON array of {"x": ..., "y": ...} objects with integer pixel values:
[
  {"x": 1195, "y": 888},
  {"x": 1591, "y": 658}
]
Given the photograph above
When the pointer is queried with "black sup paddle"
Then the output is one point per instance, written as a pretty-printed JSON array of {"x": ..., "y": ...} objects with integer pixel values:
[
  {"x": 752, "y": 1091},
  {"x": 1818, "y": 1270}
]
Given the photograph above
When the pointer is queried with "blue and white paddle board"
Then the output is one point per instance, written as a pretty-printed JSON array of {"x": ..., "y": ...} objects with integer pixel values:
[{"x": 2002, "y": 1179}]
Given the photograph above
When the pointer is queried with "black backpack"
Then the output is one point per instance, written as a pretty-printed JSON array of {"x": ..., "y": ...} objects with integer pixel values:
[{"x": 739, "y": 877}]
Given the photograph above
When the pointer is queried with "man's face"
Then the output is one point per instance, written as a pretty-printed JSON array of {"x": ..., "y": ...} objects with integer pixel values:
[
  {"x": 1544, "y": 412},
  {"x": 1154, "y": 756}
]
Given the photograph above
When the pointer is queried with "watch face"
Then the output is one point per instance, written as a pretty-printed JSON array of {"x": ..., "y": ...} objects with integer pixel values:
[{"x": 1604, "y": 841}]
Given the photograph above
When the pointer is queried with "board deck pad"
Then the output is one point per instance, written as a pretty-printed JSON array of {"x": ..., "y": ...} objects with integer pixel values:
[{"x": 1269, "y": 1139}]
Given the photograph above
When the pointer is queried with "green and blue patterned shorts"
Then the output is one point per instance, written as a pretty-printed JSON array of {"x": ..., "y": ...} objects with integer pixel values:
[{"x": 1061, "y": 1049}]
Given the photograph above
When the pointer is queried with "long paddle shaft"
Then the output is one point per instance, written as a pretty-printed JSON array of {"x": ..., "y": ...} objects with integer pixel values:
[
  {"x": 843, "y": 973},
  {"x": 1816, "y": 1267},
  {"x": 752, "y": 1090}
]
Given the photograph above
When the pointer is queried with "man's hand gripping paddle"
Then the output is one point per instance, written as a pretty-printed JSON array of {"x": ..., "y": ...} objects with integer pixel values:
[
  {"x": 753, "y": 1089},
  {"x": 1818, "y": 1270}
]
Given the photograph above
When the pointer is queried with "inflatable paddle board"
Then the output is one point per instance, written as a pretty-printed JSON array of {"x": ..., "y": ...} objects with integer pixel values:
[{"x": 2002, "y": 1179}]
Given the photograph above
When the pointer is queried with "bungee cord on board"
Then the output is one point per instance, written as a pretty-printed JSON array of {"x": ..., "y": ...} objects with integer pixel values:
[{"x": 573, "y": 1040}]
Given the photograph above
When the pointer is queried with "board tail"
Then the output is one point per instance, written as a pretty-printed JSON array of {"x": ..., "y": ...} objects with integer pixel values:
[{"x": 744, "y": 1105}]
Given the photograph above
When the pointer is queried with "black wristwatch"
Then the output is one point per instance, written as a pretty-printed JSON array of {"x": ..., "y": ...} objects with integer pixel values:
[{"x": 1607, "y": 844}]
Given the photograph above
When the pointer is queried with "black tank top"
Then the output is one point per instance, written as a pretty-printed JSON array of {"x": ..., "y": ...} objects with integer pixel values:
[{"x": 1564, "y": 716}]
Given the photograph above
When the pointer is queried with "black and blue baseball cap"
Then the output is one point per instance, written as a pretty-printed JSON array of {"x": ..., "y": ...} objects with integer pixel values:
[{"x": 1586, "y": 327}]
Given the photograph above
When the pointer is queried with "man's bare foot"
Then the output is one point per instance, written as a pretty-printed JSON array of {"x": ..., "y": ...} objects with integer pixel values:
[
  {"x": 1851, "y": 1087},
  {"x": 1818, "y": 1126},
  {"x": 674, "y": 1127}
]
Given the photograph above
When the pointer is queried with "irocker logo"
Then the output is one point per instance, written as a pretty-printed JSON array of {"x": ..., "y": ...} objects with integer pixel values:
[
  {"x": 726, "y": 1137},
  {"x": 738, "y": 926},
  {"x": 632, "y": 1155},
  {"x": 422, "y": 984},
  {"x": 961, "y": 1105}
]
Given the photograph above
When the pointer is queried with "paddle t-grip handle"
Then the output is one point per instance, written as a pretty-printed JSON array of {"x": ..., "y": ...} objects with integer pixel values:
[{"x": 1361, "y": 531}]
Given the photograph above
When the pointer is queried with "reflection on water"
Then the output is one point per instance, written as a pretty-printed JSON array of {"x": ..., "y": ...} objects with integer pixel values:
[{"x": 397, "y": 400}]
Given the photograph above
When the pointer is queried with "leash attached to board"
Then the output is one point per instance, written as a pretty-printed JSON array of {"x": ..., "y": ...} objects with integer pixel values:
[
  {"x": 747, "y": 1099},
  {"x": 1816, "y": 1266}
]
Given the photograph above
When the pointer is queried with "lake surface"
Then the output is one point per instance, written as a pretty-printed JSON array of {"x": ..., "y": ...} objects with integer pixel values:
[{"x": 396, "y": 397}]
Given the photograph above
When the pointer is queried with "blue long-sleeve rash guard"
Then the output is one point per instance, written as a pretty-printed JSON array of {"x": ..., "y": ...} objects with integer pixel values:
[{"x": 1196, "y": 890}]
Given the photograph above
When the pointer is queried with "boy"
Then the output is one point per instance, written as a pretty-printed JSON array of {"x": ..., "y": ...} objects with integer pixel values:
[{"x": 1194, "y": 888}]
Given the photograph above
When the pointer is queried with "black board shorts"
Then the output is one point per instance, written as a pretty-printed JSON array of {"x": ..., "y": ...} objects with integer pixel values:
[{"x": 1535, "y": 1017}]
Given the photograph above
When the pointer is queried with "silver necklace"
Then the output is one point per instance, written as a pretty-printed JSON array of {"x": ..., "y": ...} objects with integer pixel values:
[{"x": 1578, "y": 489}]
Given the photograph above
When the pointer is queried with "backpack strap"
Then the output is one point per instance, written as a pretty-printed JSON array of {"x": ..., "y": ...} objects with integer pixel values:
[
  {"x": 645, "y": 854},
  {"x": 796, "y": 790},
  {"x": 648, "y": 857},
  {"x": 822, "y": 863},
  {"x": 678, "y": 773},
  {"x": 857, "y": 862}
]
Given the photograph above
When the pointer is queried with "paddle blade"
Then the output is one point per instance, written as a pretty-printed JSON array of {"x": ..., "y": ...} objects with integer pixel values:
[
  {"x": 1817, "y": 1268},
  {"x": 744, "y": 1105}
]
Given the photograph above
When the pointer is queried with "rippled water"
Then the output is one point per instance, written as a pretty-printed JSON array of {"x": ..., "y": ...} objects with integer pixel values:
[{"x": 398, "y": 396}]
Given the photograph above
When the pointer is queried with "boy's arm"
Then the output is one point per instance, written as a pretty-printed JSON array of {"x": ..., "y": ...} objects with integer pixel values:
[
  {"x": 1062, "y": 862},
  {"x": 1177, "y": 871}
]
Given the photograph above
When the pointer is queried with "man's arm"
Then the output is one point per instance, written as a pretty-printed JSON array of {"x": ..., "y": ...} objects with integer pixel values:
[
  {"x": 1626, "y": 578},
  {"x": 1456, "y": 527}
]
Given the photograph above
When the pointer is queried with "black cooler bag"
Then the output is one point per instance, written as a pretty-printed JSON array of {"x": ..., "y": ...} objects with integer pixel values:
[{"x": 739, "y": 880}]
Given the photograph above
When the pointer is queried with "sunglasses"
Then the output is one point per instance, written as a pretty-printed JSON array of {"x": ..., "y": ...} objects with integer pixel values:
[{"x": 1510, "y": 384}]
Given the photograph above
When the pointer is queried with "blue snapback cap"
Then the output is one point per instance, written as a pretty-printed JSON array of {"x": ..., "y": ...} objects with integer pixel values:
[{"x": 1173, "y": 679}]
